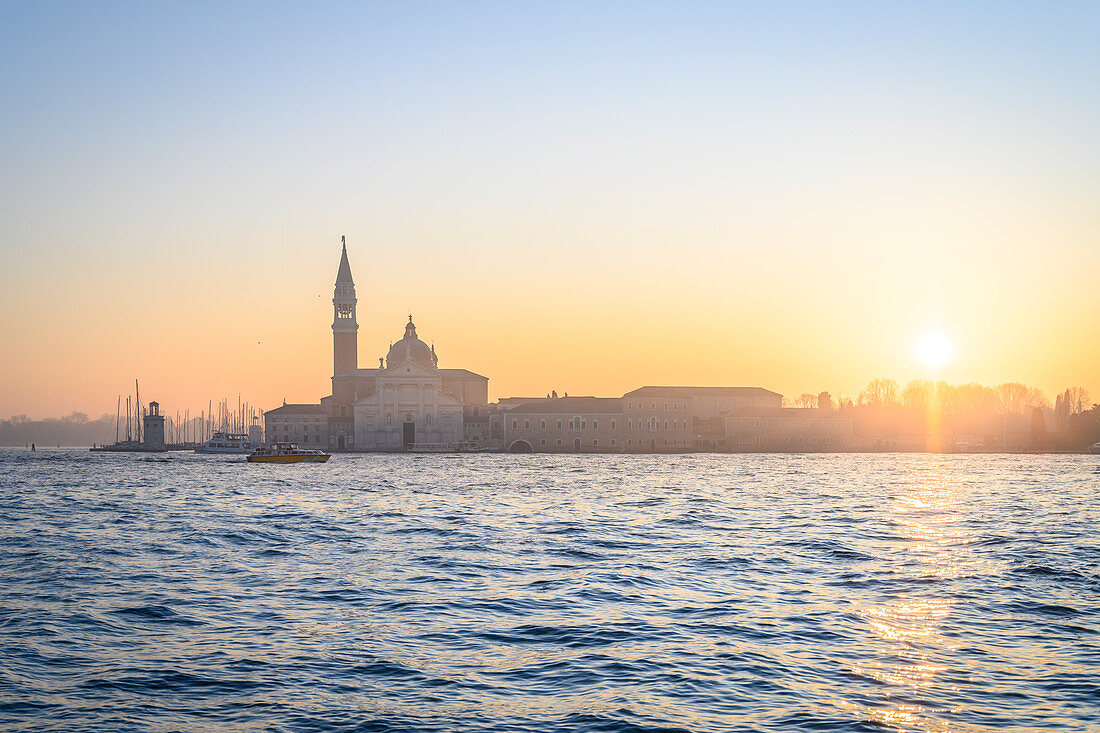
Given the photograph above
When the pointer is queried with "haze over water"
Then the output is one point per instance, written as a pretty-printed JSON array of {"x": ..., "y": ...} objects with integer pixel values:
[{"x": 490, "y": 592}]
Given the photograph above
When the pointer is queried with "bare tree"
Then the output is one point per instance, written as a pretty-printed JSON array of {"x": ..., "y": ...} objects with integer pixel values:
[
  {"x": 880, "y": 393},
  {"x": 1012, "y": 398},
  {"x": 1078, "y": 399},
  {"x": 1036, "y": 400},
  {"x": 806, "y": 400},
  {"x": 919, "y": 395}
]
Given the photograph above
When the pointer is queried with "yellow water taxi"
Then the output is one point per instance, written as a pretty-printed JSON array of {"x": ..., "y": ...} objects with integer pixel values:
[{"x": 287, "y": 453}]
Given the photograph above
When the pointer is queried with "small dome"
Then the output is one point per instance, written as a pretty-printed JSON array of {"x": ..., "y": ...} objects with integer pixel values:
[{"x": 411, "y": 348}]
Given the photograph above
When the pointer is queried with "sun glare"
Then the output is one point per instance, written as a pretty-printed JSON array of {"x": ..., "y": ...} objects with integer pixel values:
[{"x": 934, "y": 349}]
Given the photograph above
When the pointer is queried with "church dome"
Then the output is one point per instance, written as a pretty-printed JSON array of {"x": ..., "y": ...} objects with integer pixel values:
[{"x": 411, "y": 348}]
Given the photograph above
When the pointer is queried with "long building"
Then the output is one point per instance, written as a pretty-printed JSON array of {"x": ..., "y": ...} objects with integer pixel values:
[{"x": 671, "y": 420}]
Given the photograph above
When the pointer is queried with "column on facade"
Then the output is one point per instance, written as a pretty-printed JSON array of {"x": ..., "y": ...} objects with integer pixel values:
[{"x": 420, "y": 406}]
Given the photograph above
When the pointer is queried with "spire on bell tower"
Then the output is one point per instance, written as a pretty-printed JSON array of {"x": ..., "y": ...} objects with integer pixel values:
[
  {"x": 343, "y": 275},
  {"x": 344, "y": 326}
]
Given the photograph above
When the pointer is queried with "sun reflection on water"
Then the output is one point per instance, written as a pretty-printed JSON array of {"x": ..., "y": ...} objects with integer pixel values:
[{"x": 908, "y": 625}]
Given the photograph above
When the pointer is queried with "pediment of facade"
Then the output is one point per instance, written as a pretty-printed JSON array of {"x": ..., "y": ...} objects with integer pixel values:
[{"x": 405, "y": 370}]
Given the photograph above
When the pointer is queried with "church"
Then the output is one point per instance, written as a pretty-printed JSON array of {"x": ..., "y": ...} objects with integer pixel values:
[{"x": 406, "y": 402}]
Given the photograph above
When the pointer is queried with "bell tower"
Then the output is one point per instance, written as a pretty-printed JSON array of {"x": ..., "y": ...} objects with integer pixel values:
[{"x": 345, "y": 350}]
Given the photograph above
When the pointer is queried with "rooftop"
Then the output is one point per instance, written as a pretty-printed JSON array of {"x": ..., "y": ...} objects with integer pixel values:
[
  {"x": 795, "y": 412},
  {"x": 570, "y": 405},
  {"x": 655, "y": 391},
  {"x": 296, "y": 410}
]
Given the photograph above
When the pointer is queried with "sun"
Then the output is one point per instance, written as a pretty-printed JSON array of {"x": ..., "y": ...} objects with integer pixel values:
[{"x": 934, "y": 350}]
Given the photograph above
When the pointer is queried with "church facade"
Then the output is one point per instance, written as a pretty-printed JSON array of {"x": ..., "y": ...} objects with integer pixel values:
[{"x": 406, "y": 402}]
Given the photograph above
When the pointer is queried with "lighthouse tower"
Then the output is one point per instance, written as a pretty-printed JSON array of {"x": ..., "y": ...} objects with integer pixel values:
[{"x": 345, "y": 350}]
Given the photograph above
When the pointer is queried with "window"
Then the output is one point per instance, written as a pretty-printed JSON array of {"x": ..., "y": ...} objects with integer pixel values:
[
  {"x": 675, "y": 424},
  {"x": 630, "y": 442},
  {"x": 628, "y": 404},
  {"x": 542, "y": 425},
  {"x": 653, "y": 406},
  {"x": 526, "y": 424},
  {"x": 674, "y": 407},
  {"x": 612, "y": 424},
  {"x": 666, "y": 426},
  {"x": 571, "y": 425},
  {"x": 559, "y": 441},
  {"x": 595, "y": 424},
  {"x": 595, "y": 442},
  {"x": 629, "y": 424},
  {"x": 666, "y": 407},
  {"x": 559, "y": 426},
  {"x": 612, "y": 441},
  {"x": 542, "y": 442},
  {"x": 515, "y": 423}
]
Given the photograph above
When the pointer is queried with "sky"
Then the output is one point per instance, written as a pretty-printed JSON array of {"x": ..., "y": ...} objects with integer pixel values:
[{"x": 585, "y": 197}]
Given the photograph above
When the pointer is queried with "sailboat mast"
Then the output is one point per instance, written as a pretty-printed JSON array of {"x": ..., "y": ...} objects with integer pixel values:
[{"x": 137, "y": 409}]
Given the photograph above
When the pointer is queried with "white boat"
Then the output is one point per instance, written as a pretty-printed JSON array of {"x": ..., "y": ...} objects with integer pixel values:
[
  {"x": 226, "y": 443},
  {"x": 1094, "y": 448},
  {"x": 287, "y": 453}
]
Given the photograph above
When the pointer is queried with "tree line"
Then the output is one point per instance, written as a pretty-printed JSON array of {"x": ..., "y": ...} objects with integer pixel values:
[
  {"x": 72, "y": 430},
  {"x": 1009, "y": 415}
]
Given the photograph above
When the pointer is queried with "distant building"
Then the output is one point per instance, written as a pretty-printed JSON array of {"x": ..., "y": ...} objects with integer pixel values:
[
  {"x": 792, "y": 429},
  {"x": 306, "y": 425},
  {"x": 152, "y": 428},
  {"x": 658, "y": 420},
  {"x": 564, "y": 425},
  {"x": 671, "y": 420},
  {"x": 405, "y": 402},
  {"x": 708, "y": 402}
]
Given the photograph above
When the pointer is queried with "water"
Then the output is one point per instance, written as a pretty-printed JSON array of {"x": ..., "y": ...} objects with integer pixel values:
[{"x": 540, "y": 593}]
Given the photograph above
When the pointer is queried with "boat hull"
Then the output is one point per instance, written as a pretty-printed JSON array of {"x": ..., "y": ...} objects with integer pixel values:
[{"x": 288, "y": 459}]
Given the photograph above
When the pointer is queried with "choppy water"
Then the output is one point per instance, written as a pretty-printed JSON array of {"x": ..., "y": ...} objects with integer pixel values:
[{"x": 535, "y": 593}]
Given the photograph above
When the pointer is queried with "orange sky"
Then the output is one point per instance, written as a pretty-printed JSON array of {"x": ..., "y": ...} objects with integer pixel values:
[
  {"x": 576, "y": 201},
  {"x": 578, "y": 321}
]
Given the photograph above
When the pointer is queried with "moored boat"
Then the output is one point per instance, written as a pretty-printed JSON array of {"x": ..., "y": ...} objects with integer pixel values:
[
  {"x": 287, "y": 453},
  {"x": 226, "y": 443}
]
